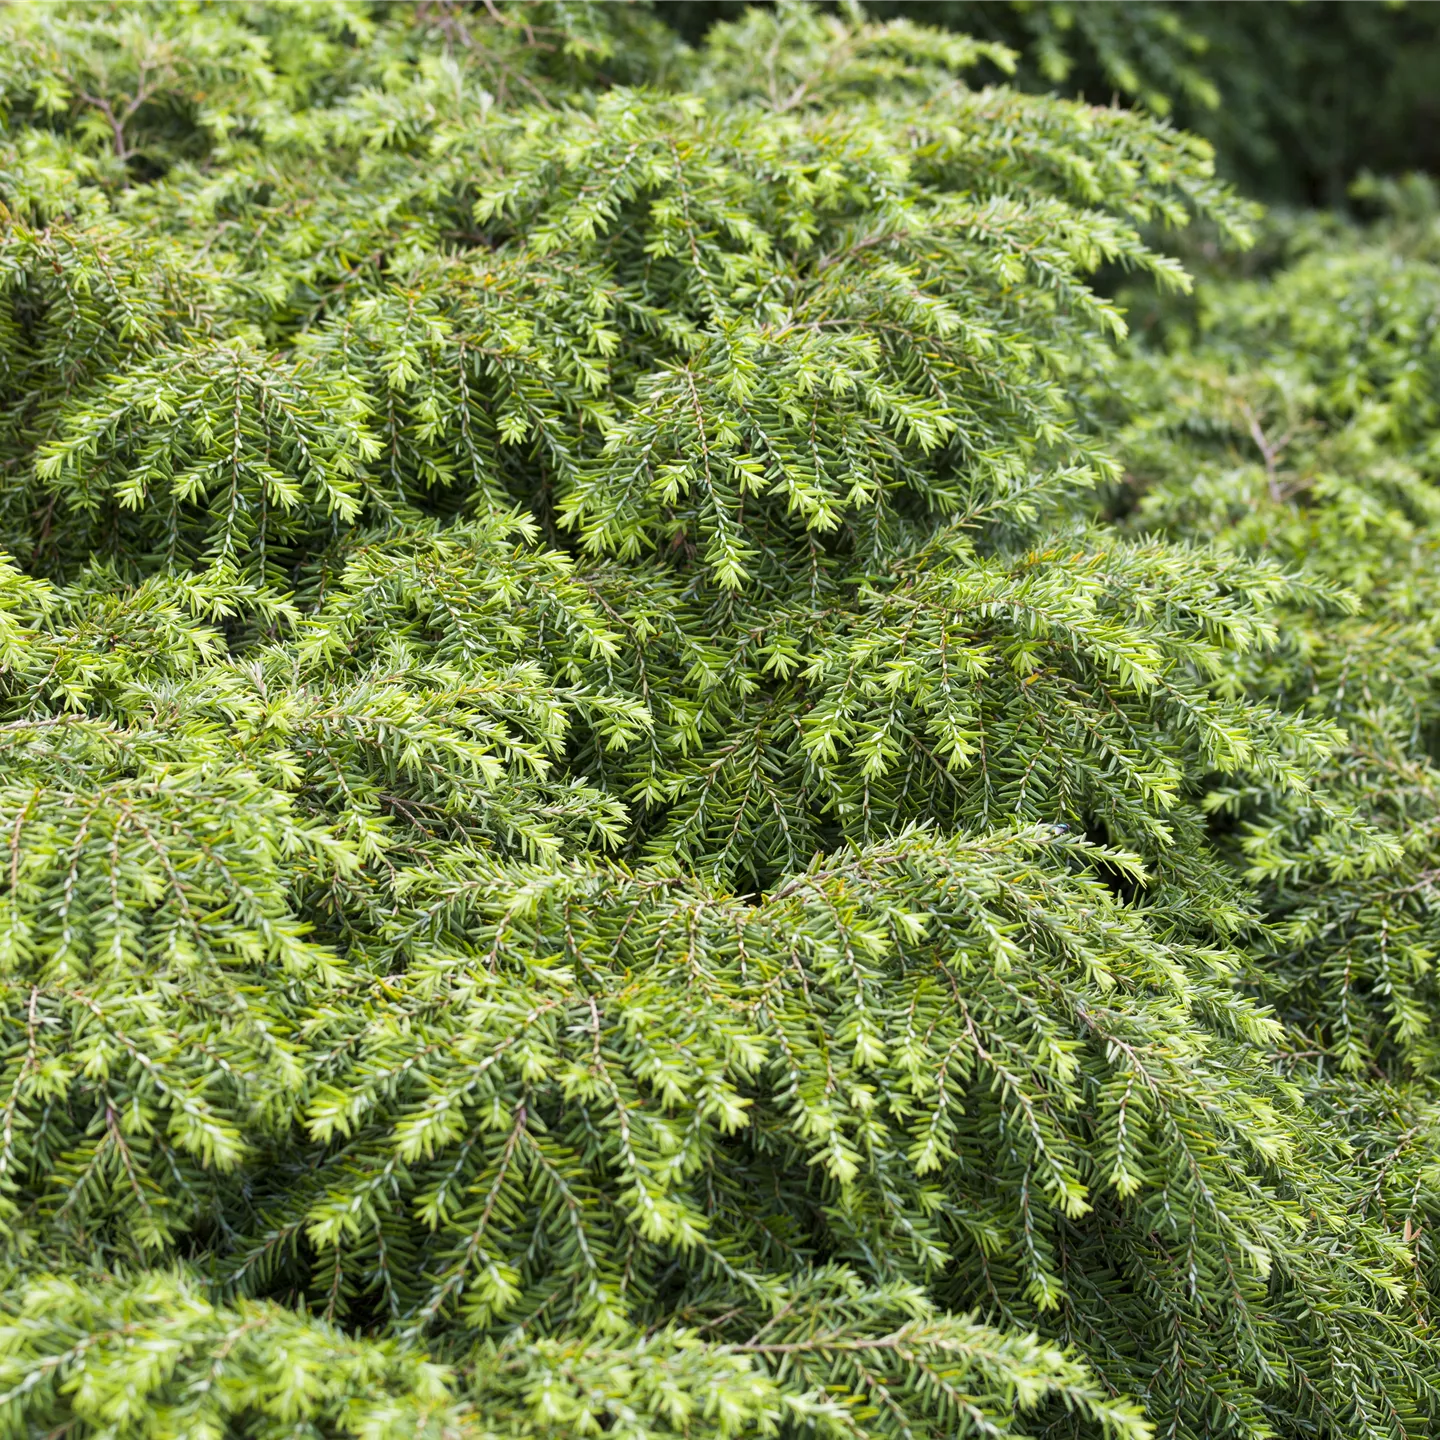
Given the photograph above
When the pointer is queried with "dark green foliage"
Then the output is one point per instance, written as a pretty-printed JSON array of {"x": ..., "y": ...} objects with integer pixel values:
[
  {"x": 650, "y": 789},
  {"x": 1295, "y": 417}
]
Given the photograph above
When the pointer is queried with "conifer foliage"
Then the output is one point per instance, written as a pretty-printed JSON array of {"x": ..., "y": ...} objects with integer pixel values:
[{"x": 607, "y": 827}]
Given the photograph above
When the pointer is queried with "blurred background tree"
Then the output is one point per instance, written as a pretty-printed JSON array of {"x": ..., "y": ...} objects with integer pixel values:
[{"x": 1299, "y": 97}]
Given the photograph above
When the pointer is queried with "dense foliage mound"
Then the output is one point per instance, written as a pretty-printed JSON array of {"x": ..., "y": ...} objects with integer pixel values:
[{"x": 649, "y": 789}]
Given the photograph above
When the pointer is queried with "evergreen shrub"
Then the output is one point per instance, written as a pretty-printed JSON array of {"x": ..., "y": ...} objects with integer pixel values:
[{"x": 651, "y": 787}]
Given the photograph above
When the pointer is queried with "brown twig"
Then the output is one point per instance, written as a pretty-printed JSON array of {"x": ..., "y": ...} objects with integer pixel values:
[{"x": 1270, "y": 451}]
